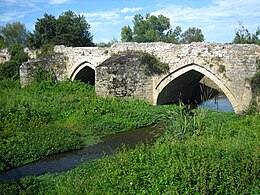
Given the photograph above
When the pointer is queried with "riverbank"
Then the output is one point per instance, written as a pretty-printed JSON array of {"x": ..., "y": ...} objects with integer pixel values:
[
  {"x": 203, "y": 152},
  {"x": 46, "y": 118}
]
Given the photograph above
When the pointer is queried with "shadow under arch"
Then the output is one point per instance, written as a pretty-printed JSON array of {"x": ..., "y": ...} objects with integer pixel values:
[
  {"x": 84, "y": 72},
  {"x": 181, "y": 83}
]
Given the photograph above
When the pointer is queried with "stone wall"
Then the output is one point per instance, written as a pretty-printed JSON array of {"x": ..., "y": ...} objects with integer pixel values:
[
  {"x": 229, "y": 66},
  {"x": 4, "y": 55},
  {"x": 55, "y": 64},
  {"x": 123, "y": 76}
]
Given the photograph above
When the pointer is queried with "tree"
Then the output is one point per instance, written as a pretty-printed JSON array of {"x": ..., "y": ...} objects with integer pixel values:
[
  {"x": 73, "y": 30},
  {"x": 69, "y": 29},
  {"x": 243, "y": 36},
  {"x": 2, "y": 42},
  {"x": 192, "y": 34},
  {"x": 14, "y": 33},
  {"x": 149, "y": 28},
  {"x": 44, "y": 33},
  {"x": 173, "y": 36},
  {"x": 126, "y": 34}
]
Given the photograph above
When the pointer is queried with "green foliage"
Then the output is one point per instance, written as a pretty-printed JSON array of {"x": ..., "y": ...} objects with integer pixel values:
[
  {"x": 2, "y": 42},
  {"x": 68, "y": 29},
  {"x": 12, "y": 34},
  {"x": 223, "y": 159},
  {"x": 222, "y": 68},
  {"x": 184, "y": 122},
  {"x": 243, "y": 36},
  {"x": 126, "y": 34},
  {"x": 46, "y": 49},
  {"x": 255, "y": 83},
  {"x": 192, "y": 35},
  {"x": 35, "y": 143},
  {"x": 254, "y": 106},
  {"x": 150, "y": 28},
  {"x": 152, "y": 65},
  {"x": 58, "y": 112},
  {"x": 44, "y": 33},
  {"x": 173, "y": 36},
  {"x": 202, "y": 152},
  {"x": 10, "y": 69},
  {"x": 40, "y": 74}
]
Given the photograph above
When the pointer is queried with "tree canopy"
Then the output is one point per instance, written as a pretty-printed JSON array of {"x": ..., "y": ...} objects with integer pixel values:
[
  {"x": 243, "y": 36},
  {"x": 68, "y": 29},
  {"x": 11, "y": 34},
  {"x": 192, "y": 35},
  {"x": 150, "y": 28}
]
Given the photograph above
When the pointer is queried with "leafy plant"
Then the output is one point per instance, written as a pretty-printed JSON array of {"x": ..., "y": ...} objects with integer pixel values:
[
  {"x": 153, "y": 66},
  {"x": 222, "y": 68},
  {"x": 10, "y": 69}
]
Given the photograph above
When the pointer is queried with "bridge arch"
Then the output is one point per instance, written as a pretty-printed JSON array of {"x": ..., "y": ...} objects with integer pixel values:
[
  {"x": 187, "y": 76},
  {"x": 84, "y": 72}
]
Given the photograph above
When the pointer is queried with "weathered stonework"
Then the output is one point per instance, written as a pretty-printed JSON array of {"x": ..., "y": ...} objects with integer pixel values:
[
  {"x": 4, "y": 55},
  {"x": 229, "y": 66},
  {"x": 123, "y": 76},
  {"x": 56, "y": 64}
]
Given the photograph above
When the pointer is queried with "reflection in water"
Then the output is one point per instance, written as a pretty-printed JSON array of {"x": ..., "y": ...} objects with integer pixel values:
[
  {"x": 65, "y": 161},
  {"x": 218, "y": 103}
]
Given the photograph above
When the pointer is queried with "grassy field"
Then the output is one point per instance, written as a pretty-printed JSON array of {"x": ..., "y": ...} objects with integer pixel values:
[{"x": 202, "y": 152}]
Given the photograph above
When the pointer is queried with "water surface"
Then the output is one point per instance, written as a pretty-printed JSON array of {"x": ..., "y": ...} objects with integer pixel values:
[
  {"x": 65, "y": 161},
  {"x": 219, "y": 103}
]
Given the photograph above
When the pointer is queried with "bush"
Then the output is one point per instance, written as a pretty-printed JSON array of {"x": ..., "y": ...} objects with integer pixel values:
[
  {"x": 152, "y": 65},
  {"x": 10, "y": 69},
  {"x": 35, "y": 143}
]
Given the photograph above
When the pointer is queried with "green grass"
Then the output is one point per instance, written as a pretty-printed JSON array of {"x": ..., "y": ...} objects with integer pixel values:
[
  {"x": 224, "y": 159},
  {"x": 202, "y": 152},
  {"x": 46, "y": 118}
]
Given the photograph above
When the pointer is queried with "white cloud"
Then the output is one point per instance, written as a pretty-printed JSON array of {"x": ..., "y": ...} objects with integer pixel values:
[
  {"x": 53, "y": 2},
  {"x": 131, "y": 10},
  {"x": 216, "y": 20},
  {"x": 11, "y": 16},
  {"x": 129, "y": 17},
  {"x": 109, "y": 15},
  {"x": 17, "y": 9}
]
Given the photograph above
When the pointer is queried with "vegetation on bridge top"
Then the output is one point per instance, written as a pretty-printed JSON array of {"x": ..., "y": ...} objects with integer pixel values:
[{"x": 151, "y": 64}]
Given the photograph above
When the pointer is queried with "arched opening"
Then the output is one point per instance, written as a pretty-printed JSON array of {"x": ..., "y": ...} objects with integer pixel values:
[
  {"x": 191, "y": 85},
  {"x": 85, "y": 73}
]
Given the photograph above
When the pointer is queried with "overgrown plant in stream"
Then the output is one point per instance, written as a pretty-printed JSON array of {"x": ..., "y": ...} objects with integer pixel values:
[{"x": 184, "y": 121}]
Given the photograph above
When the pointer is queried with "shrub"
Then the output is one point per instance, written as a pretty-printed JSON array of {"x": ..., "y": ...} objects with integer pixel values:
[
  {"x": 153, "y": 66},
  {"x": 222, "y": 68},
  {"x": 10, "y": 69}
]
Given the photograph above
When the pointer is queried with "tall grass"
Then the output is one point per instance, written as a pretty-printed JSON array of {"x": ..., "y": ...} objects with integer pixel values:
[
  {"x": 202, "y": 152},
  {"x": 224, "y": 159},
  {"x": 35, "y": 118}
]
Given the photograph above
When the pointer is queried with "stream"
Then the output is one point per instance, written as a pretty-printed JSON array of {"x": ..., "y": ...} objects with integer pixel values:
[
  {"x": 62, "y": 162},
  {"x": 219, "y": 103}
]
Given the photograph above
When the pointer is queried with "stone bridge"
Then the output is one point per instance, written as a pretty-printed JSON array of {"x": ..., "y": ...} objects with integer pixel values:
[{"x": 228, "y": 66}]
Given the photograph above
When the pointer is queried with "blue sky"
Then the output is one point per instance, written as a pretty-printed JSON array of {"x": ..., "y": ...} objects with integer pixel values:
[{"x": 218, "y": 19}]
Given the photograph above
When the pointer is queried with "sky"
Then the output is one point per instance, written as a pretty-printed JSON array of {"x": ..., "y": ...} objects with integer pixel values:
[{"x": 218, "y": 19}]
